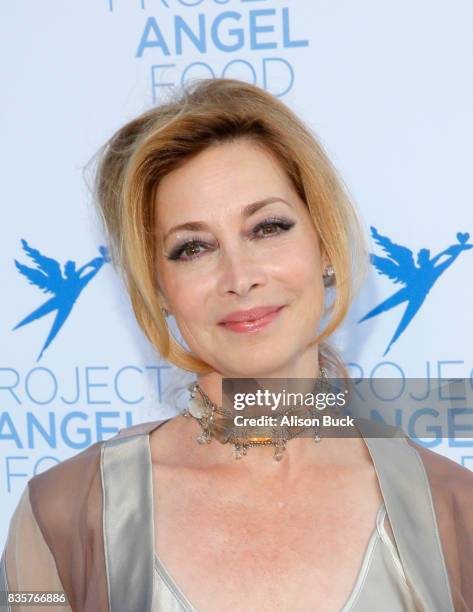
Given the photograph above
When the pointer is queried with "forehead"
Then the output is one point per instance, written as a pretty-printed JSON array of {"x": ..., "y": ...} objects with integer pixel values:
[{"x": 219, "y": 179}]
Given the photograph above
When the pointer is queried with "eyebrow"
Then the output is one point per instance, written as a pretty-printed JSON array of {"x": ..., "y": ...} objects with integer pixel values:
[{"x": 247, "y": 211}]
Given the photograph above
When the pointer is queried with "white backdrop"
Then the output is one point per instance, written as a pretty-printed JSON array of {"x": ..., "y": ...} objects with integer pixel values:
[{"x": 387, "y": 88}]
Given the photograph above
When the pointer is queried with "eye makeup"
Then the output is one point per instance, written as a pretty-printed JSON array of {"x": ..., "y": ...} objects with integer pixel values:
[{"x": 282, "y": 224}]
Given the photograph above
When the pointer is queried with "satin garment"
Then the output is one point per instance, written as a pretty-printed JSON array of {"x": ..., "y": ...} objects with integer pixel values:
[
  {"x": 86, "y": 526},
  {"x": 381, "y": 582}
]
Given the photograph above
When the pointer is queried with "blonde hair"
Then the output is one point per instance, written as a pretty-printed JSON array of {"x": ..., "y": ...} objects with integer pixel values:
[{"x": 132, "y": 162}]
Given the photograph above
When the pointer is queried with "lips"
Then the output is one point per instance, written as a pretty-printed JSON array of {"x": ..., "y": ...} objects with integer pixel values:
[
  {"x": 248, "y": 323},
  {"x": 249, "y": 315}
]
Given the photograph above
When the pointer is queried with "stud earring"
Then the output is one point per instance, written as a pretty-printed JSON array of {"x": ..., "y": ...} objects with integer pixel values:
[{"x": 329, "y": 276}]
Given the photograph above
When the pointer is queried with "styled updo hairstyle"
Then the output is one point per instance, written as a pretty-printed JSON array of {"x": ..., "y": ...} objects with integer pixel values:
[{"x": 210, "y": 112}]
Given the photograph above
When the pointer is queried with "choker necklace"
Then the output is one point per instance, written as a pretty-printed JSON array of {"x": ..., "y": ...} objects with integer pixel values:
[{"x": 218, "y": 423}]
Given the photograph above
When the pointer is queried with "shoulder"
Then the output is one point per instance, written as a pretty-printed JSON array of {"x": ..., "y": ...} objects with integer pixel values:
[
  {"x": 449, "y": 481},
  {"x": 446, "y": 477},
  {"x": 451, "y": 486},
  {"x": 439, "y": 468},
  {"x": 74, "y": 486},
  {"x": 85, "y": 465}
]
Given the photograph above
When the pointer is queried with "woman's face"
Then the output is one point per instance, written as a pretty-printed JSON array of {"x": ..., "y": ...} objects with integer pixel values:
[{"x": 249, "y": 243}]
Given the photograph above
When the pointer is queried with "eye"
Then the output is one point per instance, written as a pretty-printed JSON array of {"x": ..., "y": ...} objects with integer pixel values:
[
  {"x": 190, "y": 249},
  {"x": 273, "y": 227}
]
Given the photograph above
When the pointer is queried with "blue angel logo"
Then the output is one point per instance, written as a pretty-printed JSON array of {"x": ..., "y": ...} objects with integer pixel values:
[
  {"x": 418, "y": 279},
  {"x": 66, "y": 288}
]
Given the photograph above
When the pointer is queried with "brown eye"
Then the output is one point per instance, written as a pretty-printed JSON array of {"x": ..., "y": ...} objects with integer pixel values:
[
  {"x": 191, "y": 249},
  {"x": 272, "y": 228},
  {"x": 268, "y": 229},
  {"x": 187, "y": 251}
]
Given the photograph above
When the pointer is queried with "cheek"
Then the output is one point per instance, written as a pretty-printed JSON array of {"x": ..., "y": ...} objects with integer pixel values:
[
  {"x": 302, "y": 267},
  {"x": 304, "y": 273},
  {"x": 186, "y": 297}
]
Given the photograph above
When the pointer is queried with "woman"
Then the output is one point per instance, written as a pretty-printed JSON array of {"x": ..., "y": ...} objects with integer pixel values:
[{"x": 223, "y": 210}]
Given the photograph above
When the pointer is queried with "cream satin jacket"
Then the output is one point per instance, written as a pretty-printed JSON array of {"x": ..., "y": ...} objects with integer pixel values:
[{"x": 85, "y": 526}]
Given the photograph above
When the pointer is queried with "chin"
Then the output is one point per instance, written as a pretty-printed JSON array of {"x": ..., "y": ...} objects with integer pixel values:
[{"x": 256, "y": 366}]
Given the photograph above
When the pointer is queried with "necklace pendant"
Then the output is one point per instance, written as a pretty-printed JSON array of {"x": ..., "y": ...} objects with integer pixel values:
[
  {"x": 317, "y": 438},
  {"x": 238, "y": 451},
  {"x": 204, "y": 437},
  {"x": 279, "y": 448},
  {"x": 194, "y": 408},
  {"x": 278, "y": 452}
]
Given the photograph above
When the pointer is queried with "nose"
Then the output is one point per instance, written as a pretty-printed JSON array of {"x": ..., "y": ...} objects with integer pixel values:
[{"x": 239, "y": 273}]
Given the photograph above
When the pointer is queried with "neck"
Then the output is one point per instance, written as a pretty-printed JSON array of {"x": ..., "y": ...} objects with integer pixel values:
[{"x": 308, "y": 368}]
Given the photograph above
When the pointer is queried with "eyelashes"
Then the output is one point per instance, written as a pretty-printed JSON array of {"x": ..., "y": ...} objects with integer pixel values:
[{"x": 190, "y": 246}]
